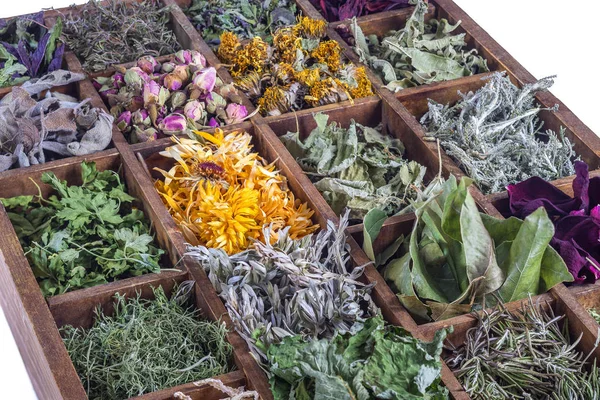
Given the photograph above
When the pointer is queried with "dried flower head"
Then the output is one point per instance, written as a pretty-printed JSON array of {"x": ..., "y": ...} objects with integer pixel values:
[
  {"x": 230, "y": 45},
  {"x": 327, "y": 91},
  {"x": 274, "y": 101},
  {"x": 359, "y": 85},
  {"x": 311, "y": 28},
  {"x": 250, "y": 83},
  {"x": 287, "y": 43},
  {"x": 328, "y": 52},
  {"x": 309, "y": 77}
]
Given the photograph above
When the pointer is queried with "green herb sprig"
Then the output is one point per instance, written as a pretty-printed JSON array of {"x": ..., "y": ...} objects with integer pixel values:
[
  {"x": 118, "y": 32},
  {"x": 83, "y": 235},
  {"x": 147, "y": 345},
  {"x": 523, "y": 355}
]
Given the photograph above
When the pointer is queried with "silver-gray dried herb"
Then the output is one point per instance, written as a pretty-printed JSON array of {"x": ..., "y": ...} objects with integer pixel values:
[
  {"x": 420, "y": 53},
  {"x": 496, "y": 136},
  {"x": 290, "y": 287}
]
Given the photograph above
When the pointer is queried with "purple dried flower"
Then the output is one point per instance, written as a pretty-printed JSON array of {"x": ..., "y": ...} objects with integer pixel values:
[
  {"x": 143, "y": 135},
  {"x": 172, "y": 82},
  {"x": 183, "y": 56},
  {"x": 194, "y": 110},
  {"x": 235, "y": 113},
  {"x": 213, "y": 123},
  {"x": 151, "y": 92},
  {"x": 173, "y": 124},
  {"x": 148, "y": 64},
  {"x": 205, "y": 79},
  {"x": 124, "y": 121},
  {"x": 167, "y": 67},
  {"x": 141, "y": 117}
]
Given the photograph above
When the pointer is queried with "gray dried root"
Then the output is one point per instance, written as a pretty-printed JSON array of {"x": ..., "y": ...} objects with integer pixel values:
[
  {"x": 496, "y": 136},
  {"x": 291, "y": 287},
  {"x": 35, "y": 129},
  {"x": 233, "y": 393}
]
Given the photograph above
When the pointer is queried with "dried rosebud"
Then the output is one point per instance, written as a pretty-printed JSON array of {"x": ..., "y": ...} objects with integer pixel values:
[
  {"x": 118, "y": 80},
  {"x": 213, "y": 123},
  {"x": 230, "y": 93},
  {"x": 107, "y": 92},
  {"x": 141, "y": 117},
  {"x": 97, "y": 84},
  {"x": 172, "y": 82},
  {"x": 235, "y": 113},
  {"x": 151, "y": 92},
  {"x": 148, "y": 64},
  {"x": 182, "y": 72},
  {"x": 163, "y": 96},
  {"x": 194, "y": 110},
  {"x": 198, "y": 59},
  {"x": 173, "y": 124},
  {"x": 177, "y": 99},
  {"x": 124, "y": 121},
  {"x": 167, "y": 67},
  {"x": 143, "y": 135},
  {"x": 135, "y": 103},
  {"x": 214, "y": 101},
  {"x": 183, "y": 56},
  {"x": 135, "y": 78},
  {"x": 205, "y": 79}
]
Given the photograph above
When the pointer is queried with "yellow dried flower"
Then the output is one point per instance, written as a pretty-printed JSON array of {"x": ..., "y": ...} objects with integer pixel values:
[
  {"x": 287, "y": 42},
  {"x": 221, "y": 193},
  {"x": 273, "y": 101},
  {"x": 327, "y": 91},
  {"x": 250, "y": 84},
  {"x": 363, "y": 87},
  {"x": 310, "y": 28},
  {"x": 257, "y": 53},
  {"x": 230, "y": 45},
  {"x": 283, "y": 73},
  {"x": 308, "y": 76},
  {"x": 328, "y": 53}
]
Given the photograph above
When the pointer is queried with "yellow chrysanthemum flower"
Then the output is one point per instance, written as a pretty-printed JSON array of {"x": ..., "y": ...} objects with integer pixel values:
[
  {"x": 329, "y": 53},
  {"x": 363, "y": 84},
  {"x": 221, "y": 193},
  {"x": 230, "y": 44},
  {"x": 311, "y": 28}
]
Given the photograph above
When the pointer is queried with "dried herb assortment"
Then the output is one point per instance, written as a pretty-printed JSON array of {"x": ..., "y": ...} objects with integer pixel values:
[
  {"x": 302, "y": 69},
  {"x": 222, "y": 194},
  {"x": 35, "y": 129},
  {"x": 358, "y": 167},
  {"x": 85, "y": 235},
  {"x": 115, "y": 32},
  {"x": 495, "y": 135},
  {"x": 338, "y": 10},
  {"x": 245, "y": 18},
  {"x": 526, "y": 354},
  {"x": 576, "y": 219},
  {"x": 419, "y": 53},
  {"x": 146, "y": 346},
  {"x": 28, "y": 49},
  {"x": 457, "y": 259},
  {"x": 153, "y": 100}
]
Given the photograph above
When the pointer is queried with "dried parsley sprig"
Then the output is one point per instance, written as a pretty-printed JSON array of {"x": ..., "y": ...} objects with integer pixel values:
[
  {"x": 523, "y": 355},
  {"x": 420, "y": 53},
  {"x": 358, "y": 167},
  {"x": 147, "y": 345},
  {"x": 496, "y": 136},
  {"x": 290, "y": 287},
  {"x": 245, "y": 18},
  {"x": 102, "y": 34}
]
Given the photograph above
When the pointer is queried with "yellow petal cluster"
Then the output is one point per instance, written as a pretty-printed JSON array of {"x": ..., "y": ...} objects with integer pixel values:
[{"x": 221, "y": 193}]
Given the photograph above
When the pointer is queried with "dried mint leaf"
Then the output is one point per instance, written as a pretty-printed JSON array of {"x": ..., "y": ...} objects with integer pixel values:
[{"x": 338, "y": 10}]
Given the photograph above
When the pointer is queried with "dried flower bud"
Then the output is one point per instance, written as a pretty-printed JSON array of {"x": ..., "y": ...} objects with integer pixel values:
[
  {"x": 141, "y": 117},
  {"x": 124, "y": 121},
  {"x": 183, "y": 72},
  {"x": 135, "y": 78},
  {"x": 107, "y": 92},
  {"x": 235, "y": 113},
  {"x": 214, "y": 101},
  {"x": 118, "y": 80},
  {"x": 135, "y": 103},
  {"x": 163, "y": 96},
  {"x": 213, "y": 123},
  {"x": 194, "y": 110},
  {"x": 173, "y": 124},
  {"x": 150, "y": 93},
  {"x": 167, "y": 67},
  {"x": 177, "y": 99},
  {"x": 198, "y": 59},
  {"x": 183, "y": 56},
  {"x": 148, "y": 64},
  {"x": 205, "y": 79},
  {"x": 172, "y": 82},
  {"x": 143, "y": 135}
]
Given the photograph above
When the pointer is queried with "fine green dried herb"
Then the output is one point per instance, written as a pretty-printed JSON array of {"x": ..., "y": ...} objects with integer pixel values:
[
  {"x": 420, "y": 53},
  {"x": 103, "y": 34},
  {"x": 83, "y": 235},
  {"x": 245, "y": 18},
  {"x": 496, "y": 136},
  {"x": 290, "y": 287},
  {"x": 524, "y": 355},
  {"x": 357, "y": 168},
  {"x": 595, "y": 313},
  {"x": 378, "y": 361},
  {"x": 147, "y": 345},
  {"x": 457, "y": 259}
]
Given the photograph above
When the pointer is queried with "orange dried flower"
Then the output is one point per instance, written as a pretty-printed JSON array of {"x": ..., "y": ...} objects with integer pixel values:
[
  {"x": 328, "y": 53},
  {"x": 363, "y": 84},
  {"x": 311, "y": 28},
  {"x": 230, "y": 44},
  {"x": 287, "y": 42}
]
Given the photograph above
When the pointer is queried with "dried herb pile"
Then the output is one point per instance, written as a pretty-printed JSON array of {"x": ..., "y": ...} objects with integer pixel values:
[
  {"x": 576, "y": 219},
  {"x": 418, "y": 54},
  {"x": 35, "y": 129},
  {"x": 152, "y": 100},
  {"x": 495, "y": 135},
  {"x": 457, "y": 259},
  {"x": 221, "y": 193},
  {"x": 523, "y": 355},
  {"x": 28, "y": 49},
  {"x": 103, "y": 34},
  {"x": 377, "y": 361},
  {"x": 595, "y": 313},
  {"x": 291, "y": 287},
  {"x": 146, "y": 346},
  {"x": 358, "y": 167},
  {"x": 302, "y": 69},
  {"x": 339, "y": 10},
  {"x": 85, "y": 235},
  {"x": 245, "y": 18}
]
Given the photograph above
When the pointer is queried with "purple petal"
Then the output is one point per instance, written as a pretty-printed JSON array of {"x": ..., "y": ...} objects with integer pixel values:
[
  {"x": 24, "y": 55},
  {"x": 56, "y": 62},
  {"x": 529, "y": 195}
]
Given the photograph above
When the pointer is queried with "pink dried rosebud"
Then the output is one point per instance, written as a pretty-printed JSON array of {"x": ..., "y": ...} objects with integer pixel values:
[
  {"x": 105, "y": 93},
  {"x": 197, "y": 58},
  {"x": 124, "y": 121},
  {"x": 172, "y": 82},
  {"x": 194, "y": 110},
  {"x": 177, "y": 99},
  {"x": 214, "y": 101},
  {"x": 148, "y": 64},
  {"x": 183, "y": 56},
  {"x": 235, "y": 113},
  {"x": 143, "y": 135},
  {"x": 173, "y": 124},
  {"x": 141, "y": 117},
  {"x": 135, "y": 103},
  {"x": 182, "y": 72},
  {"x": 213, "y": 123},
  {"x": 167, "y": 67},
  {"x": 135, "y": 77},
  {"x": 205, "y": 79},
  {"x": 151, "y": 92},
  {"x": 118, "y": 80},
  {"x": 97, "y": 85}
]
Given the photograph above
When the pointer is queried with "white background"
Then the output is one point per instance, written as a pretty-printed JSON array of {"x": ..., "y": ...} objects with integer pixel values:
[{"x": 548, "y": 37}]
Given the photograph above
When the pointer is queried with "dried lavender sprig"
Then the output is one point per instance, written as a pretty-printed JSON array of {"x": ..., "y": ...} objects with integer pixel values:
[
  {"x": 496, "y": 136},
  {"x": 291, "y": 287}
]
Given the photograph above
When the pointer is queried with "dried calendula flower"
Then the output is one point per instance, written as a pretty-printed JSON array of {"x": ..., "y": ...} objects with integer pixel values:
[
  {"x": 221, "y": 193},
  {"x": 300, "y": 70}
]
